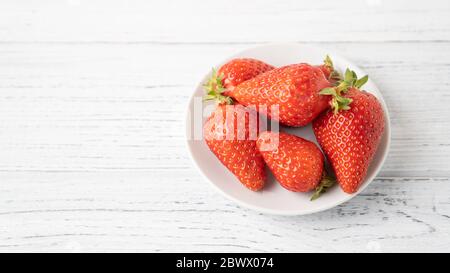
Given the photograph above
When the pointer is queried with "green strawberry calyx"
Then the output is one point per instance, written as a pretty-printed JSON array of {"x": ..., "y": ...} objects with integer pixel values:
[
  {"x": 350, "y": 79},
  {"x": 214, "y": 89},
  {"x": 326, "y": 183},
  {"x": 334, "y": 74}
]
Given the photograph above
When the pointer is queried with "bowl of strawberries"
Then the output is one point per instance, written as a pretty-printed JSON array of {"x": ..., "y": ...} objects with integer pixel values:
[{"x": 288, "y": 129}]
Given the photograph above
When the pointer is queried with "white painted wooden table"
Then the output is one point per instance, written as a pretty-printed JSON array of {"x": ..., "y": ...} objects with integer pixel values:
[{"x": 92, "y": 101}]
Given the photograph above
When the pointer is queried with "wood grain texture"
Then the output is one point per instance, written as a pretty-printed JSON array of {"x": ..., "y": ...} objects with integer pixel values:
[
  {"x": 92, "y": 103},
  {"x": 127, "y": 211}
]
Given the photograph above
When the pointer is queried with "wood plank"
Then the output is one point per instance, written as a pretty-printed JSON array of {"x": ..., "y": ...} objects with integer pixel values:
[
  {"x": 223, "y": 21},
  {"x": 151, "y": 211}
]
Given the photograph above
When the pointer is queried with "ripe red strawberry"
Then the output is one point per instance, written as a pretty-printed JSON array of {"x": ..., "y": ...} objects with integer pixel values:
[
  {"x": 230, "y": 133},
  {"x": 350, "y": 134},
  {"x": 297, "y": 164},
  {"x": 237, "y": 71},
  {"x": 232, "y": 74},
  {"x": 293, "y": 88}
]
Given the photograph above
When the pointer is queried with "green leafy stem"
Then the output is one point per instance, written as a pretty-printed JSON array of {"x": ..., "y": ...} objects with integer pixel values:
[
  {"x": 342, "y": 85},
  {"x": 326, "y": 183},
  {"x": 214, "y": 89}
]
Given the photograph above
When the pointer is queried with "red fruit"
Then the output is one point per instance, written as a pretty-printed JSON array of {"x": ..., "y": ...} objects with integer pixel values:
[
  {"x": 230, "y": 133},
  {"x": 350, "y": 137},
  {"x": 293, "y": 88},
  {"x": 325, "y": 70},
  {"x": 237, "y": 71},
  {"x": 232, "y": 74},
  {"x": 296, "y": 163}
]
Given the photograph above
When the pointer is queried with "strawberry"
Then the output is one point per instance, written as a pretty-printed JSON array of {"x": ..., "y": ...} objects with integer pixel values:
[
  {"x": 232, "y": 74},
  {"x": 230, "y": 133},
  {"x": 328, "y": 70},
  {"x": 297, "y": 164},
  {"x": 237, "y": 71},
  {"x": 294, "y": 89},
  {"x": 350, "y": 134}
]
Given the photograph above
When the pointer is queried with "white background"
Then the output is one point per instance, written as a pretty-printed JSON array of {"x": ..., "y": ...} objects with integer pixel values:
[{"x": 92, "y": 102}]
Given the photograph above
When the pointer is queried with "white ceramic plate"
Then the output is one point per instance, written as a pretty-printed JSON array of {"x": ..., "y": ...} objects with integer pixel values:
[{"x": 274, "y": 199}]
